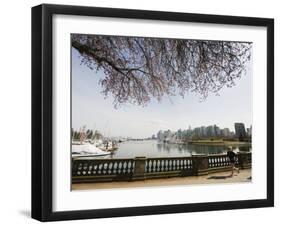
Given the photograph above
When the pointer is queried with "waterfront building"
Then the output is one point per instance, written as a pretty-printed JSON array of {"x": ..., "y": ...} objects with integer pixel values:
[
  {"x": 210, "y": 131},
  {"x": 225, "y": 132},
  {"x": 179, "y": 134},
  {"x": 240, "y": 131},
  {"x": 217, "y": 131},
  {"x": 203, "y": 131},
  {"x": 197, "y": 132},
  {"x": 160, "y": 135},
  {"x": 249, "y": 131}
]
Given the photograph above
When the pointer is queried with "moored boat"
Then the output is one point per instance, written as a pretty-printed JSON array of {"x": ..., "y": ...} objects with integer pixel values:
[
  {"x": 87, "y": 150},
  {"x": 109, "y": 146}
]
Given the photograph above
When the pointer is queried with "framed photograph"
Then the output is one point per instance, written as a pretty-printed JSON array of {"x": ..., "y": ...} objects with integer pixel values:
[{"x": 145, "y": 112}]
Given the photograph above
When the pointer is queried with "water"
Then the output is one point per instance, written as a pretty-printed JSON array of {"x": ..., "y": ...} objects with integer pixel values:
[{"x": 151, "y": 148}]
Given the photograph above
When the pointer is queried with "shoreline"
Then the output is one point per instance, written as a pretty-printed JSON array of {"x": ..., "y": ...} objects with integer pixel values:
[{"x": 222, "y": 143}]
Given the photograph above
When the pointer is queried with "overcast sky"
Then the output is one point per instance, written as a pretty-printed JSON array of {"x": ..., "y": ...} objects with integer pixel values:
[{"x": 90, "y": 108}]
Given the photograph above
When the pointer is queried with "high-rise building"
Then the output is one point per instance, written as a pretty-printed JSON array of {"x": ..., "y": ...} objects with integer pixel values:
[
  {"x": 197, "y": 132},
  {"x": 160, "y": 135},
  {"x": 240, "y": 131},
  {"x": 217, "y": 130},
  {"x": 225, "y": 132},
  {"x": 249, "y": 131},
  {"x": 203, "y": 131},
  {"x": 210, "y": 131}
]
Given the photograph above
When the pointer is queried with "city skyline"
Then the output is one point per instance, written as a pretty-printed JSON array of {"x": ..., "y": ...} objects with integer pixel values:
[
  {"x": 91, "y": 108},
  {"x": 205, "y": 126},
  {"x": 206, "y": 132},
  {"x": 190, "y": 128}
]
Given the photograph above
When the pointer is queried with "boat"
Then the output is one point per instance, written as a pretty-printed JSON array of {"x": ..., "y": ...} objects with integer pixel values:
[
  {"x": 76, "y": 142},
  {"x": 88, "y": 147},
  {"x": 87, "y": 150},
  {"x": 96, "y": 142},
  {"x": 109, "y": 146}
]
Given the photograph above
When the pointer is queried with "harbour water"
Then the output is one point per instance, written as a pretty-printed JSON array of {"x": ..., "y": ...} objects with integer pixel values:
[{"x": 151, "y": 148}]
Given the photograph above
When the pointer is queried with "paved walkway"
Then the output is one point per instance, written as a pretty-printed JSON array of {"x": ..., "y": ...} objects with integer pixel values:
[{"x": 223, "y": 177}]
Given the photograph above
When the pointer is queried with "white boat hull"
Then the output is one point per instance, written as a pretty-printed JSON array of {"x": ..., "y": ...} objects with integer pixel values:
[{"x": 87, "y": 150}]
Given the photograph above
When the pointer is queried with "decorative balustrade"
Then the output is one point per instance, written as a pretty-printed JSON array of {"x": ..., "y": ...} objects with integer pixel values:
[
  {"x": 86, "y": 169},
  {"x": 154, "y": 165},
  {"x": 139, "y": 168},
  {"x": 218, "y": 161}
]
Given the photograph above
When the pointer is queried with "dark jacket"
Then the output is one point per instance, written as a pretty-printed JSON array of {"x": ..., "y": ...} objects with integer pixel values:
[{"x": 231, "y": 155}]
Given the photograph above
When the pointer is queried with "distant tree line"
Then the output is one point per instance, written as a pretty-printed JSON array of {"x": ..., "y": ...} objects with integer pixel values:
[{"x": 90, "y": 134}]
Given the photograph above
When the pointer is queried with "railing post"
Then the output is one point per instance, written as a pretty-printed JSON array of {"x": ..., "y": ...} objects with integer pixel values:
[
  {"x": 139, "y": 169},
  {"x": 243, "y": 160},
  {"x": 200, "y": 165}
]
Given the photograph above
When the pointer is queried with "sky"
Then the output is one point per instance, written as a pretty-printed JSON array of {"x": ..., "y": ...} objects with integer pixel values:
[{"x": 92, "y": 109}]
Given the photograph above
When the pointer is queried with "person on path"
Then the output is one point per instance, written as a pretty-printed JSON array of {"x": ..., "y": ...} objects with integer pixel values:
[{"x": 232, "y": 159}]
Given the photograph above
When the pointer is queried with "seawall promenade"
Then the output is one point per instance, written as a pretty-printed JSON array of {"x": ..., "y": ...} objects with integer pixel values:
[{"x": 214, "y": 178}]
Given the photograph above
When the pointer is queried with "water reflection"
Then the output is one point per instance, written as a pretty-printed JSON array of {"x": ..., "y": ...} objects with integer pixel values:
[{"x": 152, "y": 148}]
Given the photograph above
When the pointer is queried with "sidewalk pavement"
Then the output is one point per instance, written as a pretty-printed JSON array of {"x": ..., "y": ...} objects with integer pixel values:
[{"x": 222, "y": 177}]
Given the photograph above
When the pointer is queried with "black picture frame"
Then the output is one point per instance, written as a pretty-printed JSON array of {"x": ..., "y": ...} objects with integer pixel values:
[{"x": 42, "y": 107}]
